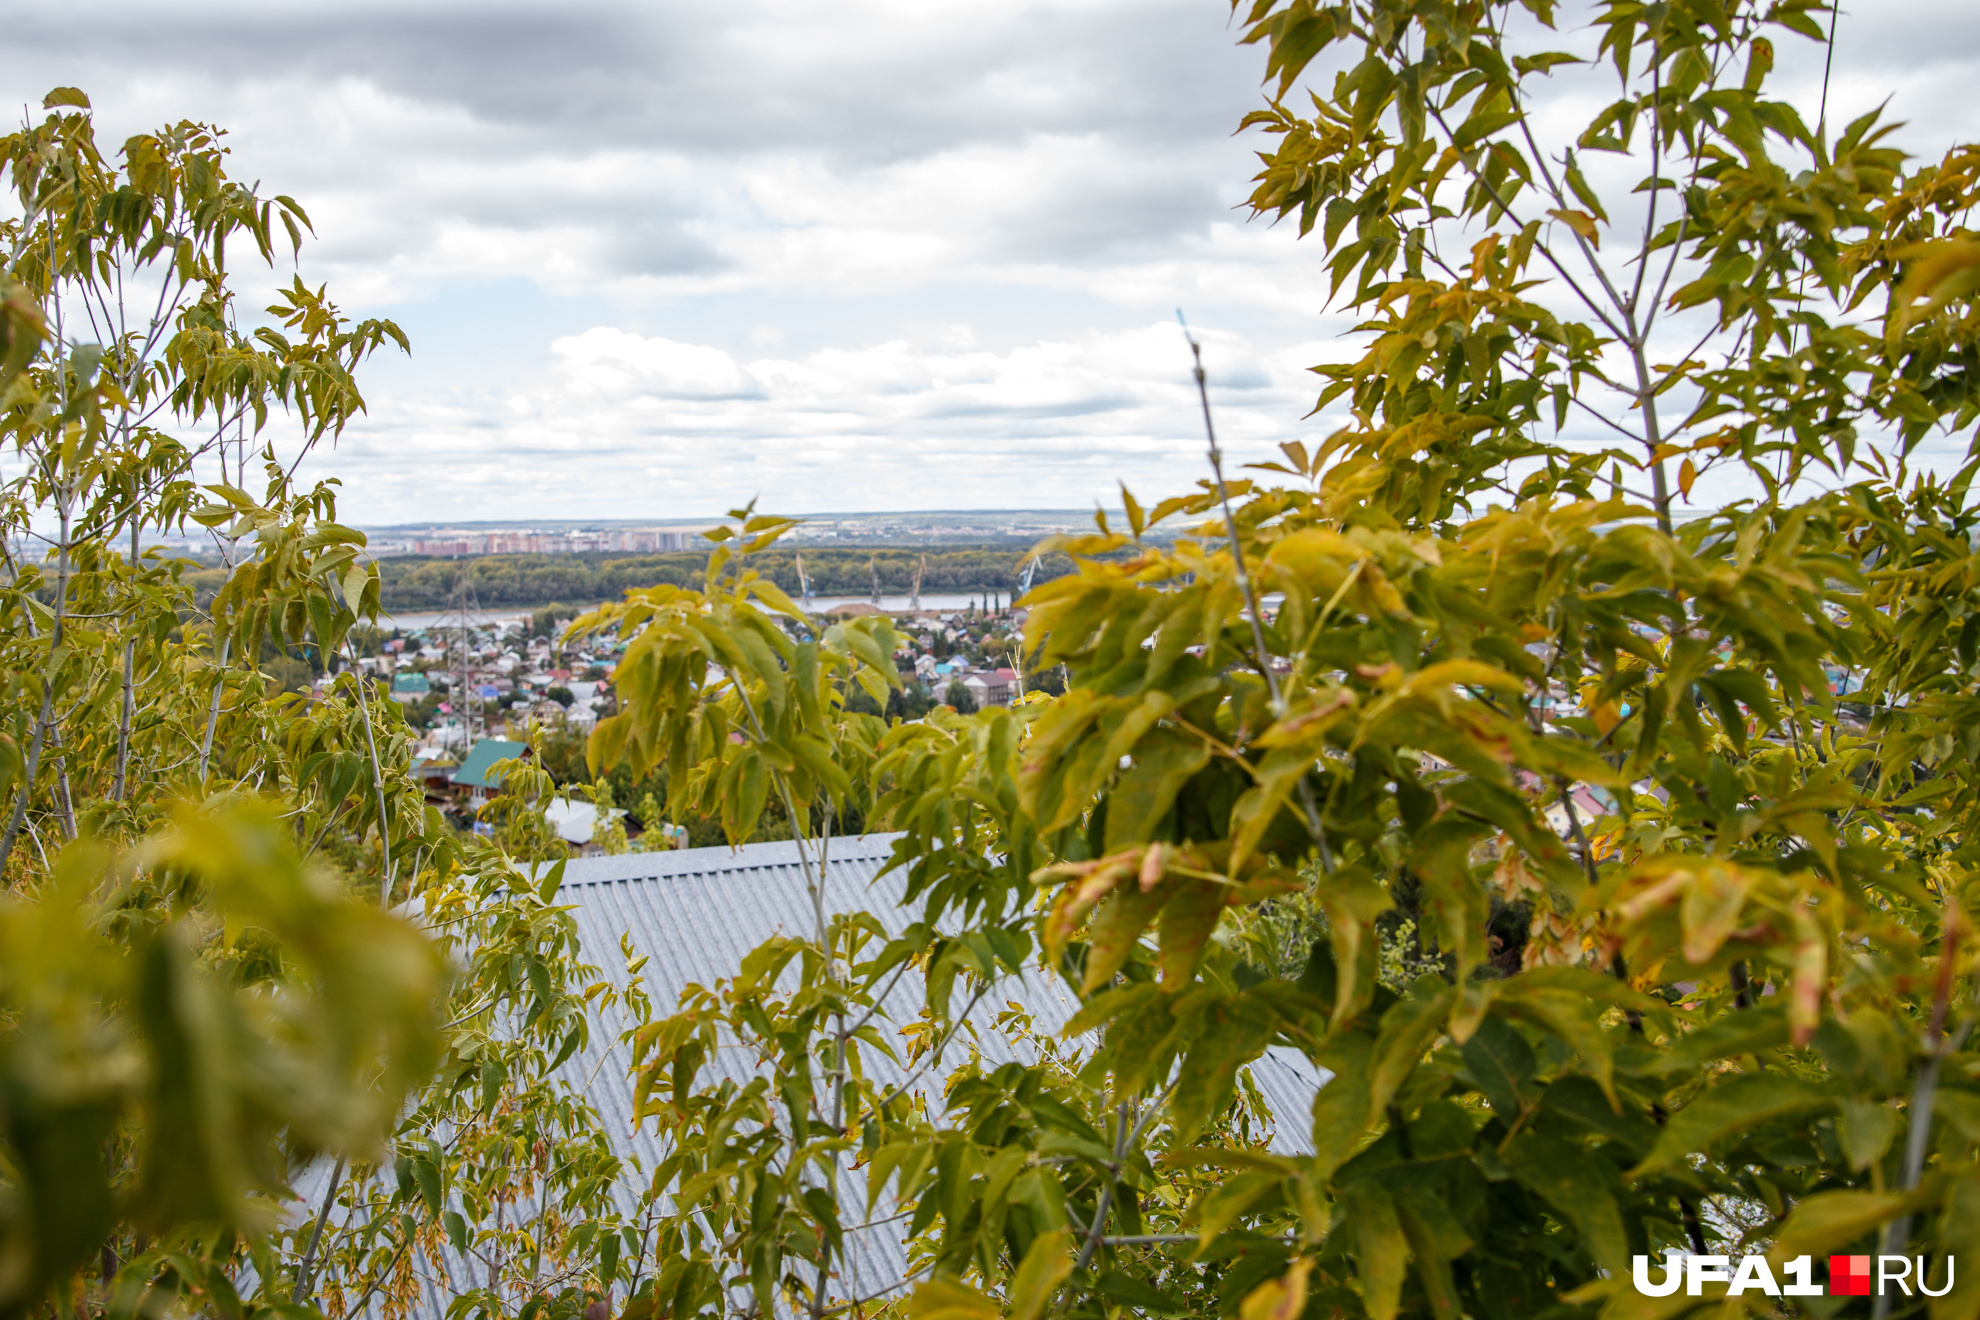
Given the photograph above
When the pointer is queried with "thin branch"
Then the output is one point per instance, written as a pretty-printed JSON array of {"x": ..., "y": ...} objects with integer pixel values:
[
  {"x": 306, "y": 1271},
  {"x": 1123, "y": 1143},
  {"x": 1314, "y": 824}
]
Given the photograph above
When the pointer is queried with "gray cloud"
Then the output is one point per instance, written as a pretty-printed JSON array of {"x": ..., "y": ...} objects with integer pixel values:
[
  {"x": 413, "y": 122},
  {"x": 690, "y": 173},
  {"x": 865, "y": 87}
]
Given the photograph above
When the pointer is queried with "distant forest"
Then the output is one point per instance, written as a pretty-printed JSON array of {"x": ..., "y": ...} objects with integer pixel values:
[{"x": 416, "y": 583}]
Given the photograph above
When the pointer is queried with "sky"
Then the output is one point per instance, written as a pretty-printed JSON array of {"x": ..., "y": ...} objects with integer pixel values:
[{"x": 659, "y": 259}]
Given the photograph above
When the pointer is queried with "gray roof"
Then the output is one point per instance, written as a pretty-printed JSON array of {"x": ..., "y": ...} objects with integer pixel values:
[{"x": 694, "y": 913}]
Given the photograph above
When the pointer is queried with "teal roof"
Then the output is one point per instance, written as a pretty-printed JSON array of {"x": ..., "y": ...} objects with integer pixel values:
[
  {"x": 411, "y": 683},
  {"x": 476, "y": 771}
]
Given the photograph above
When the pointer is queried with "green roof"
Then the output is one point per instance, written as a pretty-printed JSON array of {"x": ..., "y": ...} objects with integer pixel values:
[
  {"x": 411, "y": 683},
  {"x": 477, "y": 770}
]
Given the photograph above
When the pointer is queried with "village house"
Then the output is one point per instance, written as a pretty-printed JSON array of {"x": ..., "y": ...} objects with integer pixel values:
[
  {"x": 480, "y": 774},
  {"x": 992, "y": 687}
]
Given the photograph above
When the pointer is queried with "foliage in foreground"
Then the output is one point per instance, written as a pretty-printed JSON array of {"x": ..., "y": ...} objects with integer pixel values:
[
  {"x": 208, "y": 1009},
  {"x": 1725, "y": 1008}
]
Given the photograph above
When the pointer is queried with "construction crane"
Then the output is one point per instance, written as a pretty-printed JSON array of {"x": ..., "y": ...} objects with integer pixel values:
[{"x": 1030, "y": 569}]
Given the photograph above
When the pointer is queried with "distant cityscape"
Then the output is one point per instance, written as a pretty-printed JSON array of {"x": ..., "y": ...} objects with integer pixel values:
[
  {"x": 531, "y": 541},
  {"x": 553, "y": 537}
]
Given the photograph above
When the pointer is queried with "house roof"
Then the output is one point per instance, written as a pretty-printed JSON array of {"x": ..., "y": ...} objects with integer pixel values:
[
  {"x": 575, "y": 821},
  {"x": 694, "y": 913},
  {"x": 475, "y": 772},
  {"x": 411, "y": 683}
]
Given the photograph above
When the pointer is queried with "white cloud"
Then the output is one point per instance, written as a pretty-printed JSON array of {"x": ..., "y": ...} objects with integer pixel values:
[
  {"x": 662, "y": 427},
  {"x": 616, "y": 364}
]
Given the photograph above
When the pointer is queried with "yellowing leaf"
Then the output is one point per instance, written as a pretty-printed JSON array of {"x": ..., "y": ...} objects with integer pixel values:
[
  {"x": 1581, "y": 223},
  {"x": 937, "y": 1300},
  {"x": 1811, "y": 976},
  {"x": 1711, "y": 908},
  {"x": 1461, "y": 673},
  {"x": 1115, "y": 929},
  {"x": 1938, "y": 273},
  {"x": 1283, "y": 1298},
  {"x": 1046, "y": 1265}
]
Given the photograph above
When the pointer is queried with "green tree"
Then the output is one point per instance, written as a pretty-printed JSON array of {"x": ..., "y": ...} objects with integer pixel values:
[
  {"x": 1501, "y": 671},
  {"x": 203, "y": 1008}
]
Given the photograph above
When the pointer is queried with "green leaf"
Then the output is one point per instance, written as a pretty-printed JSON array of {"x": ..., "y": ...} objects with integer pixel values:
[
  {"x": 426, "y": 1173},
  {"x": 1436, "y": 1239},
  {"x": 1501, "y": 1062},
  {"x": 1828, "y": 1221},
  {"x": 1407, "y": 1030},
  {"x": 1574, "y": 1018},
  {"x": 1163, "y": 763},
  {"x": 1184, "y": 929},
  {"x": 1579, "y": 1100},
  {"x": 1731, "y": 1107},
  {"x": 1341, "y": 1107},
  {"x": 1233, "y": 1034},
  {"x": 1225, "y": 1202},
  {"x": 1864, "y": 1130},
  {"x": 1130, "y": 1291},
  {"x": 1560, "y": 1173},
  {"x": 1382, "y": 1252}
]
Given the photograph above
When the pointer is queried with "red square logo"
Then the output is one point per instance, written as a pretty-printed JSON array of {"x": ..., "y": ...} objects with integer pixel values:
[{"x": 1849, "y": 1276}]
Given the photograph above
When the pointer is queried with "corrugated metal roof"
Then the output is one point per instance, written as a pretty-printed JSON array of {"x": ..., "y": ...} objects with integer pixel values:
[{"x": 695, "y": 913}]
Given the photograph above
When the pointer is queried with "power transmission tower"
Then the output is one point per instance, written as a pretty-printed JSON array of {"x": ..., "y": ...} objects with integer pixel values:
[{"x": 465, "y": 608}]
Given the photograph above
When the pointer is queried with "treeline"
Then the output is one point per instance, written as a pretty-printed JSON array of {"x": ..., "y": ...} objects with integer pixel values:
[{"x": 412, "y": 583}]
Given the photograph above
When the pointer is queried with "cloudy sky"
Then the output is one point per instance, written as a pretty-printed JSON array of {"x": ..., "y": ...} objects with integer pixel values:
[{"x": 659, "y": 258}]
